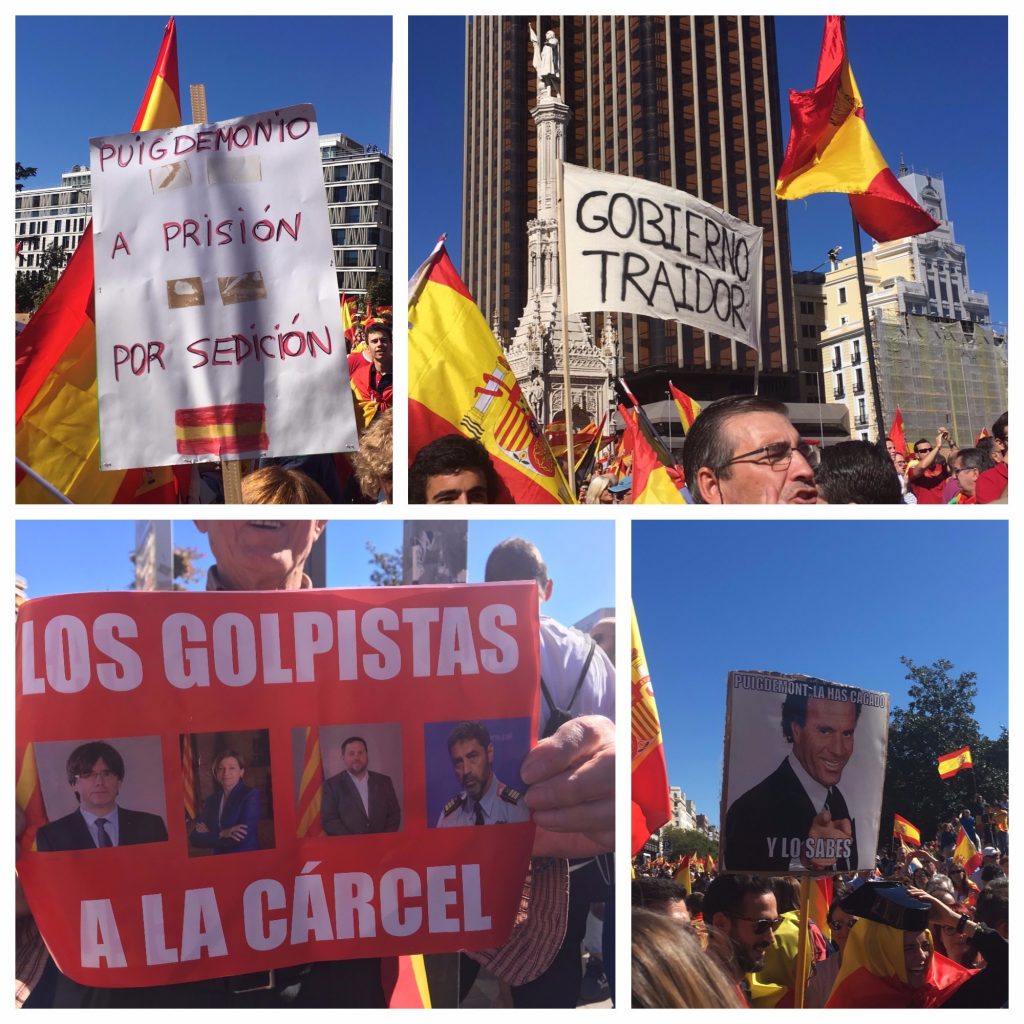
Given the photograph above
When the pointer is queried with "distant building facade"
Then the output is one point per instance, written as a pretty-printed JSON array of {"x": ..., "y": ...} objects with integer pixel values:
[
  {"x": 358, "y": 181},
  {"x": 937, "y": 355}
]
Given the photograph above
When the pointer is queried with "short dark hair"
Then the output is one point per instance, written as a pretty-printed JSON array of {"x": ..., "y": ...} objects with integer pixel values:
[
  {"x": 974, "y": 458},
  {"x": 857, "y": 472},
  {"x": 794, "y": 709},
  {"x": 921, "y": 440},
  {"x": 83, "y": 757},
  {"x": 380, "y": 328},
  {"x": 695, "y": 903},
  {"x": 787, "y": 892},
  {"x": 999, "y": 427},
  {"x": 725, "y": 895},
  {"x": 990, "y": 872},
  {"x": 655, "y": 893},
  {"x": 992, "y": 906},
  {"x": 353, "y": 739},
  {"x": 446, "y": 456},
  {"x": 706, "y": 443},
  {"x": 515, "y": 559},
  {"x": 224, "y": 754},
  {"x": 464, "y": 732}
]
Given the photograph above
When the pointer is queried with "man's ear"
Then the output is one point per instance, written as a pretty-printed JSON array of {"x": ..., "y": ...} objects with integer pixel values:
[
  {"x": 545, "y": 591},
  {"x": 708, "y": 486},
  {"x": 319, "y": 525}
]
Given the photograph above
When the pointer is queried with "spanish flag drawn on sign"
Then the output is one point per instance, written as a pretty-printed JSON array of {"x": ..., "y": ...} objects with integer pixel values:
[
  {"x": 831, "y": 150},
  {"x": 56, "y": 406},
  {"x": 460, "y": 382},
  {"x": 902, "y": 828},
  {"x": 950, "y": 764},
  {"x": 652, "y": 807}
]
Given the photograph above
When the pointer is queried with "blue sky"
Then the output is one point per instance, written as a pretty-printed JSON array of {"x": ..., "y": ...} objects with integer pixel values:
[
  {"x": 73, "y": 556},
  {"x": 839, "y": 600},
  {"x": 79, "y": 77},
  {"x": 935, "y": 90}
]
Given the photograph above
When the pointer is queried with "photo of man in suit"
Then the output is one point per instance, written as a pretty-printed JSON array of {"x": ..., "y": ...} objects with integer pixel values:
[
  {"x": 95, "y": 772},
  {"x": 356, "y": 801},
  {"x": 767, "y": 829}
]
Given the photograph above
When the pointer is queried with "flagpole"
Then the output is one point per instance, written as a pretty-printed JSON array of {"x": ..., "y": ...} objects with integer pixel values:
[
  {"x": 563, "y": 299},
  {"x": 868, "y": 343}
]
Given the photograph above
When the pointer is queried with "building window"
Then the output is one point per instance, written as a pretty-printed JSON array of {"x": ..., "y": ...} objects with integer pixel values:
[
  {"x": 843, "y": 320},
  {"x": 842, "y": 296},
  {"x": 837, "y": 358},
  {"x": 859, "y": 383},
  {"x": 862, "y": 412},
  {"x": 856, "y": 350}
]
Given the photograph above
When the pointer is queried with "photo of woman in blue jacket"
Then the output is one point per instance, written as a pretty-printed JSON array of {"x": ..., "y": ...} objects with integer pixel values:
[{"x": 229, "y": 820}]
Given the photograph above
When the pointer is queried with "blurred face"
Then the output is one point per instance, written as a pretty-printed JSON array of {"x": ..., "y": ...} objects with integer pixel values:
[
  {"x": 917, "y": 952},
  {"x": 752, "y": 481},
  {"x": 467, "y": 487},
  {"x": 97, "y": 789},
  {"x": 842, "y": 922},
  {"x": 229, "y": 773},
  {"x": 261, "y": 554},
  {"x": 356, "y": 758},
  {"x": 967, "y": 479},
  {"x": 472, "y": 765},
  {"x": 824, "y": 743},
  {"x": 749, "y": 936},
  {"x": 900, "y": 462},
  {"x": 378, "y": 344},
  {"x": 676, "y": 909}
]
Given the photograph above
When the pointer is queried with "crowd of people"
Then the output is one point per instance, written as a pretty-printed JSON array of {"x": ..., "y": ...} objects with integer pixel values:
[
  {"x": 918, "y": 931},
  {"x": 745, "y": 450}
]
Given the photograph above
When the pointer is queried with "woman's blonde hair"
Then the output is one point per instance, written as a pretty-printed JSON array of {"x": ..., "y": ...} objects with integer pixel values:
[
  {"x": 372, "y": 463},
  {"x": 273, "y": 485},
  {"x": 671, "y": 970},
  {"x": 597, "y": 487}
]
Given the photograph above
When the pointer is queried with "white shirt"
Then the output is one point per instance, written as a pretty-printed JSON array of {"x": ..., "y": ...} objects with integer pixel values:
[
  {"x": 563, "y": 652},
  {"x": 363, "y": 789}
]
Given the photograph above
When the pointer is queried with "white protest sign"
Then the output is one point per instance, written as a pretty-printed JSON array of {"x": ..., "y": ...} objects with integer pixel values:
[
  {"x": 634, "y": 246},
  {"x": 218, "y": 324},
  {"x": 804, "y": 771}
]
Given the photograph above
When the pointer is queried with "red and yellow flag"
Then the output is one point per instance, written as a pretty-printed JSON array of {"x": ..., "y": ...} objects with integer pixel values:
[
  {"x": 652, "y": 483},
  {"x": 29, "y": 797},
  {"x": 405, "y": 982},
  {"x": 687, "y": 408},
  {"x": 461, "y": 382},
  {"x": 56, "y": 404},
  {"x": 831, "y": 150},
  {"x": 965, "y": 853},
  {"x": 310, "y": 785},
  {"x": 897, "y": 434},
  {"x": 188, "y": 778},
  {"x": 650, "y": 798},
  {"x": 950, "y": 764},
  {"x": 348, "y": 316},
  {"x": 902, "y": 828},
  {"x": 681, "y": 875}
]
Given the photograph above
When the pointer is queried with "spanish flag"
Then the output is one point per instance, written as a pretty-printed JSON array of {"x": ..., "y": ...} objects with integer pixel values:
[
  {"x": 652, "y": 482},
  {"x": 687, "y": 408},
  {"x": 29, "y": 797},
  {"x": 348, "y": 316},
  {"x": 188, "y": 778},
  {"x": 965, "y": 853},
  {"x": 461, "y": 382},
  {"x": 950, "y": 764},
  {"x": 902, "y": 828},
  {"x": 650, "y": 799},
  {"x": 682, "y": 873},
  {"x": 56, "y": 405},
  {"x": 831, "y": 150},
  {"x": 897, "y": 434}
]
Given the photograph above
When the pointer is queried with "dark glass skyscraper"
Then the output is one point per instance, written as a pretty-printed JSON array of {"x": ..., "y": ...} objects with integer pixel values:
[{"x": 691, "y": 102}]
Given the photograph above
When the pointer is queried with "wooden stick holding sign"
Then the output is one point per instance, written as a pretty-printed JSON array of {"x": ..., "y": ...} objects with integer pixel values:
[{"x": 563, "y": 308}]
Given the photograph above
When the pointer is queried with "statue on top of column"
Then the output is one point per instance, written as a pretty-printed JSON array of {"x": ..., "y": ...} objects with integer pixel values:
[{"x": 546, "y": 62}]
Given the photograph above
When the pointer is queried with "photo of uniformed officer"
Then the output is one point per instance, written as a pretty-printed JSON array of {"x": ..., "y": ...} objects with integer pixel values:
[{"x": 482, "y": 757}]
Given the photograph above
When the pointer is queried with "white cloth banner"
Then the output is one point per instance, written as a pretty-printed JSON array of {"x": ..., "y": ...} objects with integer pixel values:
[
  {"x": 634, "y": 246},
  {"x": 218, "y": 323}
]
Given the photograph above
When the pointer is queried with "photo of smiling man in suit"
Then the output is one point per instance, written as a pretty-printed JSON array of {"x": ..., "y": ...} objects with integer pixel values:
[{"x": 357, "y": 801}]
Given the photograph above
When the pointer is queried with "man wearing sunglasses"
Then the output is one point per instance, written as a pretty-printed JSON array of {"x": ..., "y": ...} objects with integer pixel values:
[
  {"x": 743, "y": 450},
  {"x": 743, "y": 918}
]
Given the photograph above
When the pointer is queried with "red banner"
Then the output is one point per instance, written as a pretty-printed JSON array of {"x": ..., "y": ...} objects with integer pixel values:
[{"x": 425, "y": 695}]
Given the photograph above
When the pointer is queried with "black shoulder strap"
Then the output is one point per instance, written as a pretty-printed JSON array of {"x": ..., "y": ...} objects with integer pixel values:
[{"x": 579, "y": 682}]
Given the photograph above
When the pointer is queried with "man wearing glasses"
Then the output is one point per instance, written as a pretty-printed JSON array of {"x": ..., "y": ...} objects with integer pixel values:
[
  {"x": 743, "y": 918},
  {"x": 743, "y": 450},
  {"x": 95, "y": 773}
]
